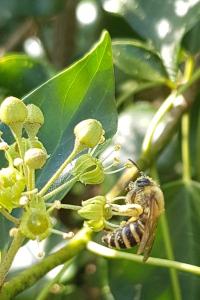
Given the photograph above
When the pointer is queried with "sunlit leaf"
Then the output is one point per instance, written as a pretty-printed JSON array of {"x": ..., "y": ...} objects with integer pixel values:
[
  {"x": 138, "y": 61},
  {"x": 163, "y": 23},
  {"x": 19, "y": 74},
  {"x": 84, "y": 90}
]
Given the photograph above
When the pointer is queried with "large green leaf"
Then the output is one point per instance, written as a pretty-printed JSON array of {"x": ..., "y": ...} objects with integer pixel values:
[
  {"x": 84, "y": 90},
  {"x": 19, "y": 74},
  {"x": 138, "y": 61},
  {"x": 164, "y": 23}
]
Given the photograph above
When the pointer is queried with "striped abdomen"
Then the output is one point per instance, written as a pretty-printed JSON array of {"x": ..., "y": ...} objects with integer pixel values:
[{"x": 125, "y": 237}]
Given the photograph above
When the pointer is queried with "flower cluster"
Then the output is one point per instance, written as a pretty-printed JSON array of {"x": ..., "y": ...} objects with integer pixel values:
[{"x": 27, "y": 154}]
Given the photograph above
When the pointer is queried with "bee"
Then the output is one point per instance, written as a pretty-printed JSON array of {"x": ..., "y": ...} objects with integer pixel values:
[{"x": 147, "y": 193}]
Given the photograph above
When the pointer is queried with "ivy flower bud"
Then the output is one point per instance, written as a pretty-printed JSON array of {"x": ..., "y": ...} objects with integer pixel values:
[
  {"x": 35, "y": 158},
  {"x": 35, "y": 222},
  {"x": 89, "y": 133},
  {"x": 13, "y": 110},
  {"x": 34, "y": 120},
  {"x": 95, "y": 211},
  {"x": 89, "y": 169},
  {"x": 12, "y": 184}
]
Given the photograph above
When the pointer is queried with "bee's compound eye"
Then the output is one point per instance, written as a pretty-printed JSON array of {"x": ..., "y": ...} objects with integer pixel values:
[{"x": 143, "y": 181}]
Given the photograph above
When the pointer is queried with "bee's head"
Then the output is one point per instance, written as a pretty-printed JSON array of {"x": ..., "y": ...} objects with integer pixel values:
[{"x": 143, "y": 181}]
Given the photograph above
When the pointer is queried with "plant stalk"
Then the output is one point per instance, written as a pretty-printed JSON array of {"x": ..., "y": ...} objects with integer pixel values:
[
  {"x": 185, "y": 147},
  {"x": 9, "y": 256},
  {"x": 168, "y": 246},
  {"x": 28, "y": 277},
  {"x": 158, "y": 262},
  {"x": 9, "y": 217},
  {"x": 60, "y": 188},
  {"x": 58, "y": 172}
]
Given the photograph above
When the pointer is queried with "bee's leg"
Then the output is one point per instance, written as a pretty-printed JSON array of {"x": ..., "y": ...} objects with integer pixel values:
[
  {"x": 127, "y": 210},
  {"x": 133, "y": 219}
]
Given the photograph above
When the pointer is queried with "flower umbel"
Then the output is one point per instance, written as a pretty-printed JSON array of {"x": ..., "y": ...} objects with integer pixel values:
[
  {"x": 96, "y": 212},
  {"x": 12, "y": 184}
]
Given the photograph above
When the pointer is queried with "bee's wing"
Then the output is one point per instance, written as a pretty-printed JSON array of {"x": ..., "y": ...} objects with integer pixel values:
[{"x": 150, "y": 229}]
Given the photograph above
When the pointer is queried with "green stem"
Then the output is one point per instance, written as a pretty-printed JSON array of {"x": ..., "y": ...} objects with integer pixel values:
[
  {"x": 185, "y": 147},
  {"x": 135, "y": 89},
  {"x": 168, "y": 246},
  {"x": 9, "y": 216},
  {"x": 45, "y": 291},
  {"x": 59, "y": 171},
  {"x": 9, "y": 256},
  {"x": 170, "y": 255},
  {"x": 64, "y": 206},
  {"x": 158, "y": 262},
  {"x": 17, "y": 133},
  {"x": 60, "y": 188},
  {"x": 197, "y": 156},
  {"x": 161, "y": 112},
  {"x": 28, "y": 277}
]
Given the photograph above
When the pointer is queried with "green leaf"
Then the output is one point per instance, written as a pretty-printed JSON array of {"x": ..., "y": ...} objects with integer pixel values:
[
  {"x": 163, "y": 23},
  {"x": 191, "y": 41},
  {"x": 84, "y": 90},
  {"x": 138, "y": 60},
  {"x": 5, "y": 226},
  {"x": 19, "y": 74},
  {"x": 129, "y": 280},
  {"x": 30, "y": 8},
  {"x": 183, "y": 212}
]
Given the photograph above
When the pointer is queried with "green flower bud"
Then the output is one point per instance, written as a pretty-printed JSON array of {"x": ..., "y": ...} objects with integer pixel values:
[
  {"x": 35, "y": 158},
  {"x": 89, "y": 133},
  {"x": 35, "y": 222},
  {"x": 13, "y": 110},
  {"x": 12, "y": 184},
  {"x": 34, "y": 120},
  {"x": 95, "y": 211},
  {"x": 89, "y": 170}
]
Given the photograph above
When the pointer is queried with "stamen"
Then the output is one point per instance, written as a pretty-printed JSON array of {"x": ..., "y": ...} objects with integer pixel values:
[
  {"x": 65, "y": 235},
  {"x": 115, "y": 171},
  {"x": 115, "y": 162},
  {"x": 115, "y": 149},
  {"x": 40, "y": 254},
  {"x": 34, "y": 191},
  {"x": 91, "y": 151},
  {"x": 23, "y": 200},
  {"x": 18, "y": 162},
  {"x": 128, "y": 164},
  {"x": 13, "y": 231},
  {"x": 4, "y": 146}
]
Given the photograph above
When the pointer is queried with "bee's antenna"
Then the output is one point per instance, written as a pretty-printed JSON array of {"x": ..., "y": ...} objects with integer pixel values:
[{"x": 134, "y": 163}]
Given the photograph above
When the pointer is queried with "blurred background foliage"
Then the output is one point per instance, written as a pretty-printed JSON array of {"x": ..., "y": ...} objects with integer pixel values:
[{"x": 151, "y": 42}]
